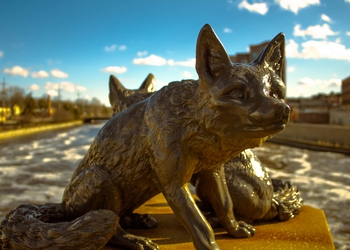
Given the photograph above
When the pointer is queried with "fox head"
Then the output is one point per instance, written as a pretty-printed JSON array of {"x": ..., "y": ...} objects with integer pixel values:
[
  {"x": 241, "y": 100},
  {"x": 121, "y": 98}
]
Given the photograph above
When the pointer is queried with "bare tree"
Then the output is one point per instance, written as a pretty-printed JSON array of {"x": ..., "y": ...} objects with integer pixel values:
[{"x": 16, "y": 95}]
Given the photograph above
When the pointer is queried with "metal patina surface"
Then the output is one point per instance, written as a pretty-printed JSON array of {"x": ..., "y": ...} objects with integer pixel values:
[
  {"x": 185, "y": 131},
  {"x": 256, "y": 196}
]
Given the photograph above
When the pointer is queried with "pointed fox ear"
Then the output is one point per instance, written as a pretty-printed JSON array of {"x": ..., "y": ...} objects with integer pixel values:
[
  {"x": 273, "y": 55},
  {"x": 116, "y": 92},
  {"x": 148, "y": 84},
  {"x": 211, "y": 56}
]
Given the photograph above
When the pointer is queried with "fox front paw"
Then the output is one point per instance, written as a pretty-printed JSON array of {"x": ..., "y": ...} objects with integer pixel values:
[
  {"x": 242, "y": 230},
  {"x": 124, "y": 240}
]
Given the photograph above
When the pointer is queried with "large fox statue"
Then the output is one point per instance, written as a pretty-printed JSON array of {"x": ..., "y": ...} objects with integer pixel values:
[
  {"x": 186, "y": 130},
  {"x": 256, "y": 196}
]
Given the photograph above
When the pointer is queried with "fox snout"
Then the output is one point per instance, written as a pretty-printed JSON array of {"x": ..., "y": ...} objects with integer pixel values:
[
  {"x": 279, "y": 112},
  {"x": 282, "y": 111},
  {"x": 269, "y": 120}
]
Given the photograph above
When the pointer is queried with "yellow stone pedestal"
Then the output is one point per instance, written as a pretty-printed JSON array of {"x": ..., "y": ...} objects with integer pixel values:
[{"x": 308, "y": 230}]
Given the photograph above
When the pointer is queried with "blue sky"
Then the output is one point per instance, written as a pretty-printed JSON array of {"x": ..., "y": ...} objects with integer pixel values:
[{"x": 77, "y": 44}]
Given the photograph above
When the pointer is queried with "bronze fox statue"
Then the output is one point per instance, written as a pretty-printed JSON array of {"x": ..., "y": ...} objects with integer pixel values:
[
  {"x": 187, "y": 129},
  {"x": 255, "y": 194},
  {"x": 121, "y": 98}
]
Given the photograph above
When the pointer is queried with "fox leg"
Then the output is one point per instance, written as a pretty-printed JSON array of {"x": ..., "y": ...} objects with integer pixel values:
[
  {"x": 138, "y": 221},
  {"x": 172, "y": 173},
  {"x": 184, "y": 207},
  {"x": 93, "y": 189},
  {"x": 219, "y": 197}
]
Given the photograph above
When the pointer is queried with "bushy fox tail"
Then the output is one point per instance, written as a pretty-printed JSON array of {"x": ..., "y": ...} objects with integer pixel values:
[
  {"x": 287, "y": 201},
  {"x": 43, "y": 227}
]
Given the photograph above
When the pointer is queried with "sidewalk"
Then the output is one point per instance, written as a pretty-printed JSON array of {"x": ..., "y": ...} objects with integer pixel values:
[{"x": 27, "y": 131}]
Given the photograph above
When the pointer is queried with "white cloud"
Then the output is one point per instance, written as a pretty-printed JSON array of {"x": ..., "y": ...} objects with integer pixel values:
[
  {"x": 67, "y": 86},
  {"x": 291, "y": 69},
  {"x": 58, "y": 73},
  {"x": 40, "y": 74},
  {"x": 80, "y": 88},
  {"x": 227, "y": 30},
  {"x": 34, "y": 87},
  {"x": 348, "y": 32},
  {"x": 317, "y": 50},
  {"x": 17, "y": 71},
  {"x": 52, "y": 92},
  {"x": 292, "y": 49},
  {"x": 189, "y": 63},
  {"x": 316, "y": 31},
  {"x": 260, "y": 8},
  {"x": 330, "y": 83},
  {"x": 306, "y": 81},
  {"x": 152, "y": 60},
  {"x": 113, "y": 47},
  {"x": 326, "y": 18},
  {"x": 1, "y": 53},
  {"x": 122, "y": 47},
  {"x": 53, "y": 88},
  {"x": 50, "y": 85},
  {"x": 307, "y": 86},
  {"x": 142, "y": 53},
  {"x": 187, "y": 74},
  {"x": 347, "y": 1},
  {"x": 114, "y": 69},
  {"x": 296, "y": 5},
  {"x": 333, "y": 82},
  {"x": 110, "y": 48}
]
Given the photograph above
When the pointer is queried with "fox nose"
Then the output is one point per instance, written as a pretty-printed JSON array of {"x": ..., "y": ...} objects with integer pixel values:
[
  {"x": 279, "y": 111},
  {"x": 283, "y": 111}
]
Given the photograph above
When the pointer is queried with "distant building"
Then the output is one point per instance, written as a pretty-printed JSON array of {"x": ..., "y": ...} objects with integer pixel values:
[
  {"x": 309, "y": 110},
  {"x": 320, "y": 108},
  {"x": 254, "y": 51},
  {"x": 345, "y": 93}
]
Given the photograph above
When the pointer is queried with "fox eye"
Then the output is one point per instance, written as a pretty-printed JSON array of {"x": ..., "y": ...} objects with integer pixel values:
[
  {"x": 278, "y": 94},
  {"x": 275, "y": 95},
  {"x": 239, "y": 94}
]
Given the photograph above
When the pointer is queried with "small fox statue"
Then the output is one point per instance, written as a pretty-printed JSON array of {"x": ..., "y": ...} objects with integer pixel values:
[
  {"x": 188, "y": 129},
  {"x": 121, "y": 98}
]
